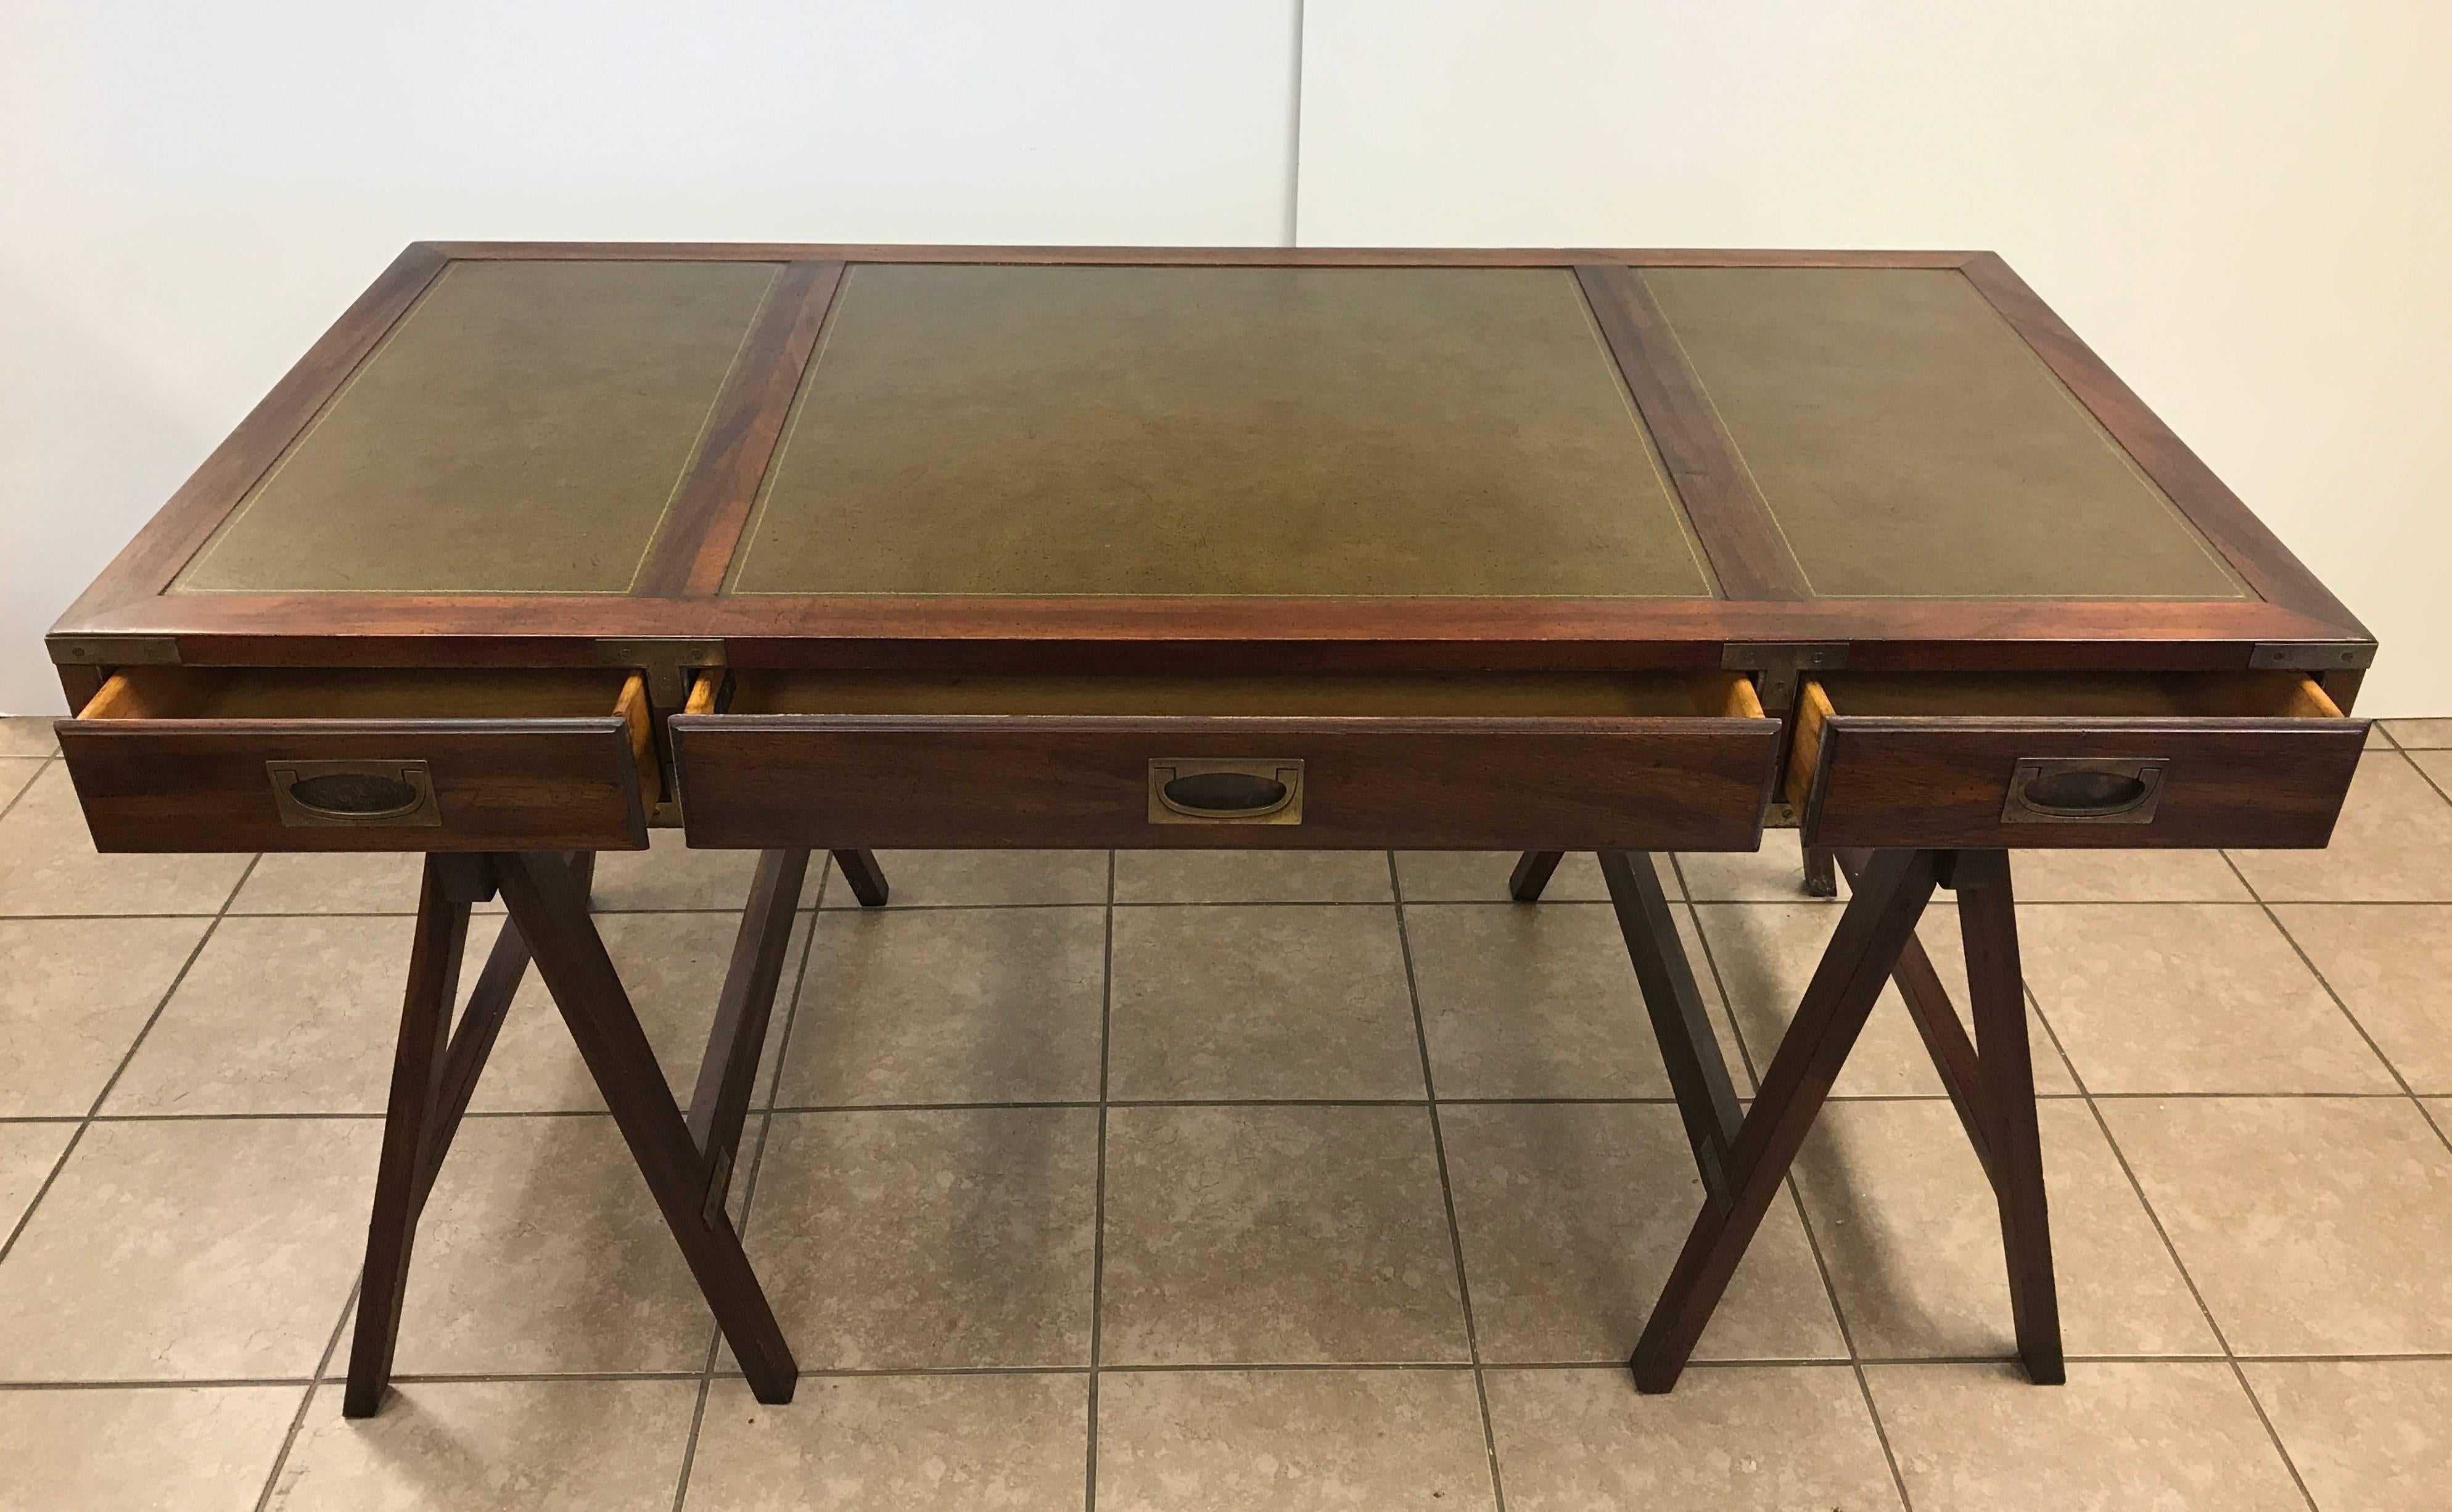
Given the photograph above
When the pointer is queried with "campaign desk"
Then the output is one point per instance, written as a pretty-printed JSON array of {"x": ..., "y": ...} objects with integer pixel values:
[{"x": 853, "y": 547}]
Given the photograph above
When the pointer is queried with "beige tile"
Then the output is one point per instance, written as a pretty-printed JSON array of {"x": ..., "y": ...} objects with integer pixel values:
[
  {"x": 1291, "y": 1441},
  {"x": 1542, "y": 1002},
  {"x": 2392, "y": 967},
  {"x": 916, "y": 1240},
  {"x": 895, "y": 1443},
  {"x": 926, "y": 878},
  {"x": 74, "y": 993},
  {"x": 2420, "y": 735},
  {"x": 540, "y": 1252},
  {"x": 47, "y": 864},
  {"x": 2436, "y": 766},
  {"x": 1766, "y": 954},
  {"x": 27, "y": 734},
  {"x": 2118, "y": 1436},
  {"x": 1572, "y": 1215},
  {"x": 1911, "y": 1236},
  {"x": 1252, "y": 1235},
  {"x": 2377, "y": 739},
  {"x": 1251, "y": 876},
  {"x": 2371, "y": 1434},
  {"x": 16, "y": 774},
  {"x": 209, "y": 1250},
  {"x": 669, "y": 875},
  {"x": 2311, "y": 1224},
  {"x": 1750, "y": 1436},
  {"x": 1775, "y": 873},
  {"x": 2189, "y": 997},
  {"x": 955, "y": 1006},
  {"x": 337, "y": 882},
  {"x": 1261, "y": 1001},
  {"x": 2392, "y": 844},
  {"x": 27, "y": 1152},
  {"x": 2125, "y": 876},
  {"x": 493, "y": 1446},
  {"x": 1480, "y": 876},
  {"x": 152, "y": 1449},
  {"x": 672, "y": 967}
]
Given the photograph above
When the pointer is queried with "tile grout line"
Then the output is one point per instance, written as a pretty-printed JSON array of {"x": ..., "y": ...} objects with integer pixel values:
[
  {"x": 756, "y": 1158},
  {"x": 306, "y": 1403},
  {"x": 1447, "y": 1193},
  {"x": 1099, "y": 1200}
]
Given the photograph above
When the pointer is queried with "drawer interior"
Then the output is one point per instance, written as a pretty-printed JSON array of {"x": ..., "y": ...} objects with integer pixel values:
[
  {"x": 1540, "y": 694},
  {"x": 2083, "y": 695}
]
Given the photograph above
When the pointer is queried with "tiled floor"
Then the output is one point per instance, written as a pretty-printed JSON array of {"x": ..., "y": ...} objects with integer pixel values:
[{"x": 1219, "y": 1181}]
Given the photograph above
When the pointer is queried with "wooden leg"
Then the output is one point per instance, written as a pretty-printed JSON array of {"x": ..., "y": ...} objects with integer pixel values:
[
  {"x": 1821, "y": 873},
  {"x": 1531, "y": 874},
  {"x": 1697, "y": 1073},
  {"x": 1988, "y": 923},
  {"x": 867, "y": 882},
  {"x": 1879, "y": 919},
  {"x": 727, "y": 1073},
  {"x": 546, "y": 902},
  {"x": 409, "y": 1119}
]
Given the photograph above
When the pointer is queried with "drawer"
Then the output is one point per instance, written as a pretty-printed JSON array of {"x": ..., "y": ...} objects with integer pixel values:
[
  {"x": 190, "y": 759},
  {"x": 2071, "y": 760},
  {"x": 1556, "y": 761}
]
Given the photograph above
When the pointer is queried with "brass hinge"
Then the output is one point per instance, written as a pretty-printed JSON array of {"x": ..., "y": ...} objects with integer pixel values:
[
  {"x": 115, "y": 650},
  {"x": 2313, "y": 656},
  {"x": 1779, "y": 662}
]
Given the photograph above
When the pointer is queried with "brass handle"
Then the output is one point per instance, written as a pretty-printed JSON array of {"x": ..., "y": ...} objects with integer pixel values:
[
  {"x": 2084, "y": 790},
  {"x": 1184, "y": 790},
  {"x": 313, "y": 794}
]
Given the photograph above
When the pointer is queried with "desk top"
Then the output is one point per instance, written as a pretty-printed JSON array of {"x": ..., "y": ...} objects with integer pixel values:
[{"x": 843, "y": 456}]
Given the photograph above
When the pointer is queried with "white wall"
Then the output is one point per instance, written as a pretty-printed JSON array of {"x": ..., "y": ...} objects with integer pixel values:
[{"x": 2242, "y": 206}]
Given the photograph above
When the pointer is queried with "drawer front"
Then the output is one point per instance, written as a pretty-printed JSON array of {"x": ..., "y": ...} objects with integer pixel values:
[
  {"x": 866, "y": 780},
  {"x": 357, "y": 784},
  {"x": 2069, "y": 783}
]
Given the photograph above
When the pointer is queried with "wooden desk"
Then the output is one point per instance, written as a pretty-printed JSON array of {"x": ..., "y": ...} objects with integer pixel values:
[{"x": 848, "y": 547}]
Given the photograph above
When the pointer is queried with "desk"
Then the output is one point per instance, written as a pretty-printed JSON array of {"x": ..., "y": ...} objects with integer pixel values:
[{"x": 838, "y": 548}]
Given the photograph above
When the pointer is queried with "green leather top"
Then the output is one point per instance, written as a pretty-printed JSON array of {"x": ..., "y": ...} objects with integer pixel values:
[
  {"x": 520, "y": 430},
  {"x": 1210, "y": 430}
]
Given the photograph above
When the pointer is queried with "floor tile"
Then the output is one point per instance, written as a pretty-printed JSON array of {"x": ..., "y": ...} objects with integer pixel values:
[
  {"x": 333, "y": 883},
  {"x": 1769, "y": 1437},
  {"x": 16, "y": 775},
  {"x": 1766, "y": 952},
  {"x": 2420, "y": 735},
  {"x": 1911, "y": 1235},
  {"x": 2189, "y": 997},
  {"x": 1480, "y": 876},
  {"x": 27, "y": 734},
  {"x": 2377, "y": 739},
  {"x": 1249, "y": 1235},
  {"x": 2392, "y": 967},
  {"x": 149, "y": 1450},
  {"x": 2392, "y": 844},
  {"x": 1291, "y": 1441},
  {"x": 2125, "y": 876},
  {"x": 895, "y": 1443},
  {"x": 540, "y": 1252},
  {"x": 2117, "y": 1437},
  {"x": 916, "y": 1240},
  {"x": 672, "y": 967},
  {"x": 1572, "y": 1215},
  {"x": 27, "y": 1152},
  {"x": 669, "y": 875},
  {"x": 2311, "y": 1224},
  {"x": 2436, "y": 766},
  {"x": 955, "y": 1006},
  {"x": 1261, "y": 1001},
  {"x": 1542, "y": 1002},
  {"x": 206, "y": 1249},
  {"x": 74, "y": 993},
  {"x": 926, "y": 878},
  {"x": 494, "y": 1446},
  {"x": 1251, "y": 876},
  {"x": 2374, "y": 1435},
  {"x": 1775, "y": 873},
  {"x": 47, "y": 864}
]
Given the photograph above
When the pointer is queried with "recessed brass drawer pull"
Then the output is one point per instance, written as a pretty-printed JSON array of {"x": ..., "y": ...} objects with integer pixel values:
[
  {"x": 1245, "y": 791},
  {"x": 331, "y": 792},
  {"x": 2087, "y": 789}
]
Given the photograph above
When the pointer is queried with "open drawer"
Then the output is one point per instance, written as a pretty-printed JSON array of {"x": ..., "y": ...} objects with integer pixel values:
[
  {"x": 1556, "y": 761},
  {"x": 197, "y": 758},
  {"x": 2081, "y": 759}
]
